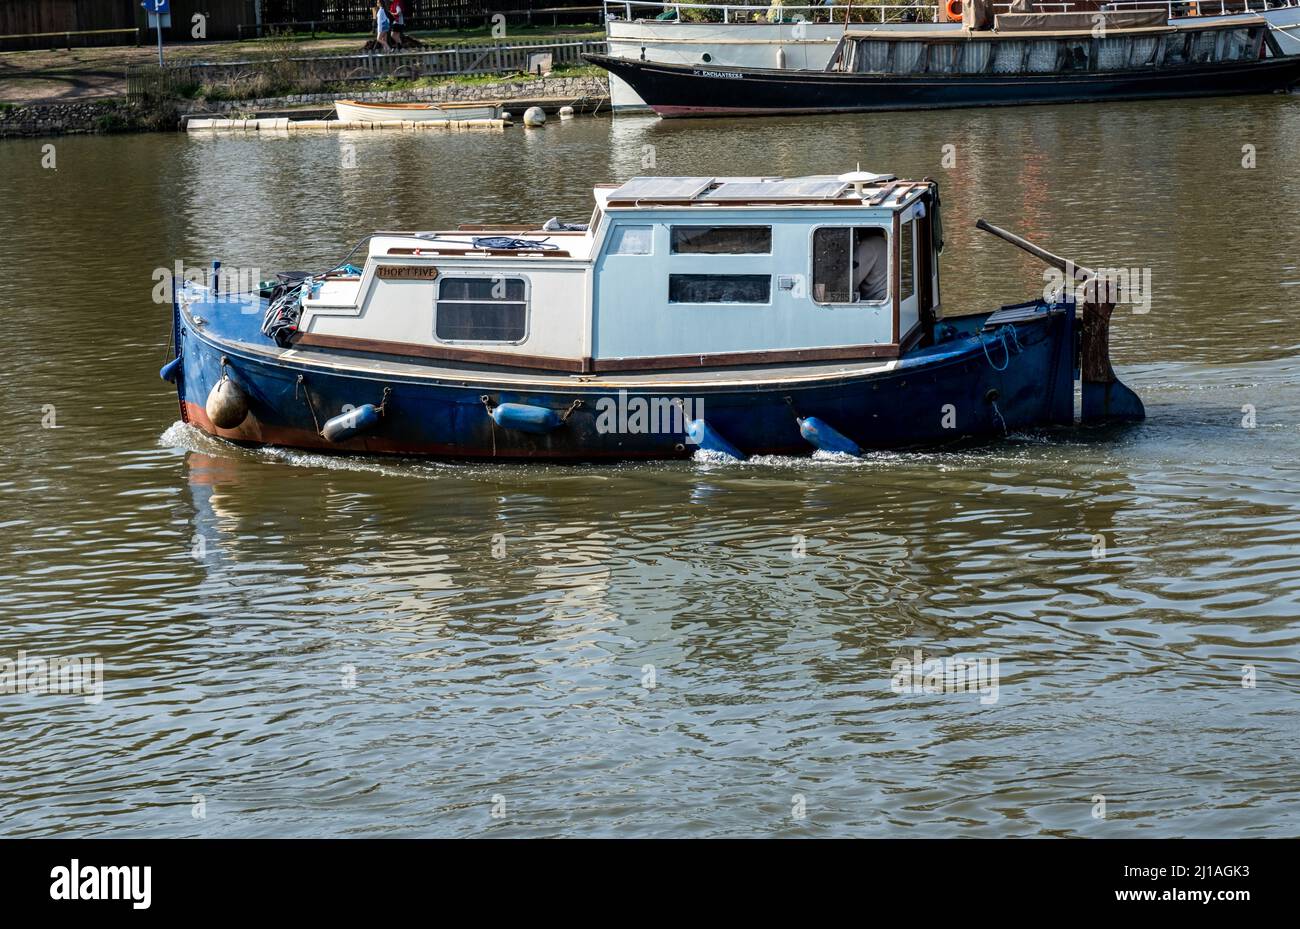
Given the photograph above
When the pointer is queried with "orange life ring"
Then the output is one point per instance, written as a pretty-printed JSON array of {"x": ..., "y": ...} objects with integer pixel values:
[{"x": 953, "y": 9}]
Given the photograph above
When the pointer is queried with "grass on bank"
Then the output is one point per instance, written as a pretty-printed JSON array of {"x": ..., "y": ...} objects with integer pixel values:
[{"x": 395, "y": 83}]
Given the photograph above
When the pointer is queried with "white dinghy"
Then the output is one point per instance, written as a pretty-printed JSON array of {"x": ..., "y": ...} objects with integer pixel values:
[{"x": 353, "y": 111}]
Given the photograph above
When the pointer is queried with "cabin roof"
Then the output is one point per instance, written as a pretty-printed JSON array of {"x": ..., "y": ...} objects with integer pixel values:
[
  {"x": 882, "y": 190},
  {"x": 527, "y": 242}
]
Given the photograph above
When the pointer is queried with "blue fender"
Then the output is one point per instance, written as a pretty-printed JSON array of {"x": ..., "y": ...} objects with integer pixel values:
[
  {"x": 170, "y": 371},
  {"x": 702, "y": 435},
  {"x": 526, "y": 417},
  {"x": 825, "y": 438},
  {"x": 352, "y": 423}
]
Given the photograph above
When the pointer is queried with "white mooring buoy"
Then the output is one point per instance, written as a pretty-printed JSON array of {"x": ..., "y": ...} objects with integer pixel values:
[
  {"x": 534, "y": 116},
  {"x": 566, "y": 112}
]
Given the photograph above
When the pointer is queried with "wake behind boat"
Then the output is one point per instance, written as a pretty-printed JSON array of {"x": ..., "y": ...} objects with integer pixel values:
[
  {"x": 1026, "y": 58},
  {"x": 353, "y": 111},
  {"x": 739, "y": 315}
]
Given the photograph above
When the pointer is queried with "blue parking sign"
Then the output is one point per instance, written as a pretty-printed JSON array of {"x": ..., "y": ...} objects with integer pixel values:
[{"x": 157, "y": 6}]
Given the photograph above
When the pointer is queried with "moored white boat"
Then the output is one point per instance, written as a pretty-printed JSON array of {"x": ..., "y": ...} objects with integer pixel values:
[
  {"x": 356, "y": 111},
  {"x": 1018, "y": 59},
  {"x": 803, "y": 37}
]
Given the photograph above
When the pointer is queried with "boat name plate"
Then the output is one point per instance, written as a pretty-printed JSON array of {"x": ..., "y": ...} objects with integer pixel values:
[{"x": 405, "y": 273}]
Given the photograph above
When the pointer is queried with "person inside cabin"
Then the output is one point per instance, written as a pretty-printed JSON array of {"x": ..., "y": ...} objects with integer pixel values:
[
  {"x": 397, "y": 15},
  {"x": 870, "y": 265},
  {"x": 383, "y": 25}
]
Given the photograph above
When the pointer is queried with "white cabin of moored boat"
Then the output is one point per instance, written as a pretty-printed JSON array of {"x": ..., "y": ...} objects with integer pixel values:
[{"x": 672, "y": 272}]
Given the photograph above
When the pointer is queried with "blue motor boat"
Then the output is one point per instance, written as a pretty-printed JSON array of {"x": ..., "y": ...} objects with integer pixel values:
[{"x": 734, "y": 315}]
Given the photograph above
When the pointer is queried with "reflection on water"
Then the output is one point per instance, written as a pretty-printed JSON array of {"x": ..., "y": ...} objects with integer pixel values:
[{"x": 321, "y": 645}]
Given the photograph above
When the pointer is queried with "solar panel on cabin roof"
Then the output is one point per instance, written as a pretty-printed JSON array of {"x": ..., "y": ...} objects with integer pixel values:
[
  {"x": 661, "y": 188},
  {"x": 795, "y": 188}
]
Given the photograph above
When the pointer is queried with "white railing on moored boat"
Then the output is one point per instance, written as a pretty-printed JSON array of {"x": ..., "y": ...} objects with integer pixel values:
[
  {"x": 1178, "y": 9},
  {"x": 830, "y": 12},
  {"x": 920, "y": 12}
]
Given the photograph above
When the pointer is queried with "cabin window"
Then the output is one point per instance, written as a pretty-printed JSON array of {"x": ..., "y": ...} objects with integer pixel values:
[
  {"x": 1008, "y": 56},
  {"x": 1042, "y": 55},
  {"x": 1236, "y": 44},
  {"x": 850, "y": 265},
  {"x": 1073, "y": 55},
  {"x": 945, "y": 58},
  {"x": 1176, "y": 49},
  {"x": 481, "y": 309},
  {"x": 1113, "y": 52},
  {"x": 871, "y": 57},
  {"x": 909, "y": 57},
  {"x": 906, "y": 261},
  {"x": 631, "y": 240},
  {"x": 719, "y": 288},
  {"x": 721, "y": 240}
]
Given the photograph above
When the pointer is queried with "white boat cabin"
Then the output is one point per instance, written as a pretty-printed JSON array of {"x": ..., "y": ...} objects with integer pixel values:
[{"x": 671, "y": 272}]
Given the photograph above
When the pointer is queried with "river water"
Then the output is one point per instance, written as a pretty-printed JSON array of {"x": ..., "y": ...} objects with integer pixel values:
[{"x": 300, "y": 645}]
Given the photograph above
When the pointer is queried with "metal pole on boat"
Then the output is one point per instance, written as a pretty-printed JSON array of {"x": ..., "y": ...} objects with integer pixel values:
[
  {"x": 1104, "y": 397},
  {"x": 1042, "y": 254}
]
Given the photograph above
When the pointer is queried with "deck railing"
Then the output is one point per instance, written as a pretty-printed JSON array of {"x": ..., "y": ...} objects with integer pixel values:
[
  {"x": 1177, "y": 9},
  {"x": 842, "y": 11},
  {"x": 837, "y": 11}
]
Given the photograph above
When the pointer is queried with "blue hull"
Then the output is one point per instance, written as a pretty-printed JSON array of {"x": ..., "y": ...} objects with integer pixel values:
[{"x": 969, "y": 384}]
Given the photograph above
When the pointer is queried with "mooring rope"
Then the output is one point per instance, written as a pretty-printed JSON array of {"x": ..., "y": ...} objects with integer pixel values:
[
  {"x": 1000, "y": 337},
  {"x": 306, "y": 394}
]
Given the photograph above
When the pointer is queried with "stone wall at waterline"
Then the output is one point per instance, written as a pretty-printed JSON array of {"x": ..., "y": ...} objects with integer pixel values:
[{"x": 112, "y": 115}]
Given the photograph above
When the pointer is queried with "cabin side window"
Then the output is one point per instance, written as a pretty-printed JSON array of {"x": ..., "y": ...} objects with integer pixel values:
[
  {"x": 481, "y": 309},
  {"x": 631, "y": 240},
  {"x": 719, "y": 288},
  {"x": 850, "y": 264},
  {"x": 721, "y": 240},
  {"x": 906, "y": 260}
]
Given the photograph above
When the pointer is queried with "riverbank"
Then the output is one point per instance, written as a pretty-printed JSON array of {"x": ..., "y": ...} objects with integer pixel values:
[
  {"x": 586, "y": 92},
  {"x": 74, "y": 75},
  {"x": 87, "y": 116}
]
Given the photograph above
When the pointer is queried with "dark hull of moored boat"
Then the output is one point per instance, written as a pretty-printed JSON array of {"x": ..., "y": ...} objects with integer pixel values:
[
  {"x": 700, "y": 90},
  {"x": 972, "y": 383}
]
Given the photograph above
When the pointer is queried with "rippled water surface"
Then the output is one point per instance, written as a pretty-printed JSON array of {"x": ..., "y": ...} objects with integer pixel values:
[{"x": 324, "y": 646}]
